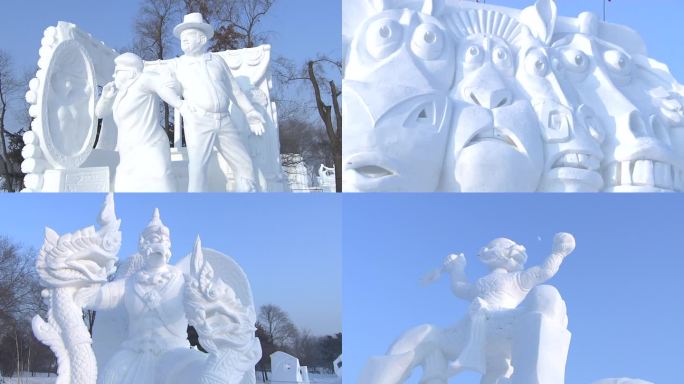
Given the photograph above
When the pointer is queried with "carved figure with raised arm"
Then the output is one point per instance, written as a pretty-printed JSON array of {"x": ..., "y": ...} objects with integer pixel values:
[
  {"x": 516, "y": 328},
  {"x": 143, "y": 146},
  {"x": 208, "y": 87},
  {"x": 143, "y": 314}
]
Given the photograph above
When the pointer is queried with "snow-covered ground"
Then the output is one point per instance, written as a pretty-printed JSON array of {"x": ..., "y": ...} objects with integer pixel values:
[
  {"x": 41, "y": 378},
  {"x": 26, "y": 378}
]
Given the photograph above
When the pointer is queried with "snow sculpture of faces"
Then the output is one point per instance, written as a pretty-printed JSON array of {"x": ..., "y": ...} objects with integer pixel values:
[
  {"x": 572, "y": 137},
  {"x": 648, "y": 85},
  {"x": 633, "y": 154},
  {"x": 495, "y": 145},
  {"x": 398, "y": 74}
]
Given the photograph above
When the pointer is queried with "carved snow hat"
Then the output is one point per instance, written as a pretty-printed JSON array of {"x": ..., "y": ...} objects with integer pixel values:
[
  {"x": 194, "y": 21},
  {"x": 129, "y": 60},
  {"x": 155, "y": 227}
]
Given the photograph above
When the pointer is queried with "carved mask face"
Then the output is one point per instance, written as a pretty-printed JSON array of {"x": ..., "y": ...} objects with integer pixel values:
[
  {"x": 572, "y": 137},
  {"x": 634, "y": 157},
  {"x": 399, "y": 70},
  {"x": 156, "y": 249},
  {"x": 495, "y": 144}
]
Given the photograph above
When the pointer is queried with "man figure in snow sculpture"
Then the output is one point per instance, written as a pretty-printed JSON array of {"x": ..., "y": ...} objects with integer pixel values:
[
  {"x": 153, "y": 299},
  {"x": 572, "y": 137},
  {"x": 208, "y": 87},
  {"x": 495, "y": 143},
  {"x": 143, "y": 146},
  {"x": 397, "y": 80},
  {"x": 515, "y": 329}
]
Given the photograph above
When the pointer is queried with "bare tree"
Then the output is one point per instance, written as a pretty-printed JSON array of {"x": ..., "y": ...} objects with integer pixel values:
[
  {"x": 278, "y": 328},
  {"x": 10, "y": 89},
  {"x": 246, "y": 16},
  {"x": 154, "y": 39}
]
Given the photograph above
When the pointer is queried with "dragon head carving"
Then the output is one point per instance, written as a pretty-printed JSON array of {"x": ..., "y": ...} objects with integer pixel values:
[
  {"x": 220, "y": 318},
  {"x": 83, "y": 257}
]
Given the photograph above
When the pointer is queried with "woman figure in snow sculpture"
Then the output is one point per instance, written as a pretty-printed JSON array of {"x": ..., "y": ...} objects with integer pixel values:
[{"x": 515, "y": 329}]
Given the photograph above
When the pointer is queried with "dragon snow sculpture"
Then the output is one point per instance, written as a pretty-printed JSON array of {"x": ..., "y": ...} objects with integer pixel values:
[
  {"x": 460, "y": 96},
  {"x": 144, "y": 309}
]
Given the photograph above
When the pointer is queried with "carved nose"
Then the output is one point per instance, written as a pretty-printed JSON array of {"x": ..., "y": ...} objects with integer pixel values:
[{"x": 491, "y": 99}]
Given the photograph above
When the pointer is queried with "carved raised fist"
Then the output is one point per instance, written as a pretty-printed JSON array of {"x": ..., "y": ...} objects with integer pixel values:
[
  {"x": 455, "y": 261},
  {"x": 563, "y": 243},
  {"x": 109, "y": 90}
]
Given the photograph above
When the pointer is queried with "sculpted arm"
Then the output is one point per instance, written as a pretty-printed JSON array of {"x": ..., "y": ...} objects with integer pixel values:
[
  {"x": 455, "y": 265},
  {"x": 254, "y": 118},
  {"x": 154, "y": 83},
  {"x": 106, "y": 296},
  {"x": 106, "y": 101},
  {"x": 563, "y": 245}
]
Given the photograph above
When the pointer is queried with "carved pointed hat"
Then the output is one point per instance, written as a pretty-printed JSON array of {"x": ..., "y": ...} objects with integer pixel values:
[
  {"x": 194, "y": 21},
  {"x": 156, "y": 226}
]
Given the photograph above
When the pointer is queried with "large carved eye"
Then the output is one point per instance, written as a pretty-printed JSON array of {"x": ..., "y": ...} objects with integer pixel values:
[
  {"x": 383, "y": 37},
  {"x": 575, "y": 60},
  {"x": 537, "y": 63},
  {"x": 474, "y": 55},
  {"x": 501, "y": 57},
  {"x": 618, "y": 62},
  {"x": 428, "y": 41}
]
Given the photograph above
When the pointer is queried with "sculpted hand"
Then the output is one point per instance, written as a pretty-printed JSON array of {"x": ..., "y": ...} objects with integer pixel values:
[
  {"x": 109, "y": 90},
  {"x": 187, "y": 109},
  {"x": 256, "y": 122},
  {"x": 563, "y": 243},
  {"x": 455, "y": 262}
]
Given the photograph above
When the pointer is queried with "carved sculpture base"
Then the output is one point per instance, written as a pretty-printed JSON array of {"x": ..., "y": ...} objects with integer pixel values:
[{"x": 94, "y": 179}]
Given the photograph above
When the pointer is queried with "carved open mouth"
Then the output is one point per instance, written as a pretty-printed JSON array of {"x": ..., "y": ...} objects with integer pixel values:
[
  {"x": 578, "y": 161},
  {"x": 373, "y": 171},
  {"x": 493, "y": 134},
  {"x": 643, "y": 173}
]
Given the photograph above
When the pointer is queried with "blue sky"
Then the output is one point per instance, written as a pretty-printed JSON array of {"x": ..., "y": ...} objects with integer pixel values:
[
  {"x": 301, "y": 28},
  {"x": 289, "y": 245},
  {"x": 622, "y": 285}
]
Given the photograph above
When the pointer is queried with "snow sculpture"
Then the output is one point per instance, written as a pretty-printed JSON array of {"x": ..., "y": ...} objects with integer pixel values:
[
  {"x": 526, "y": 101},
  {"x": 143, "y": 313},
  {"x": 285, "y": 368},
  {"x": 516, "y": 328},
  {"x": 59, "y": 153},
  {"x": 622, "y": 381}
]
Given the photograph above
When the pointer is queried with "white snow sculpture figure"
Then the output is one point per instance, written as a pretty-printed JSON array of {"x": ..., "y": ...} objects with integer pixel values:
[
  {"x": 495, "y": 143},
  {"x": 141, "y": 332},
  {"x": 208, "y": 87},
  {"x": 631, "y": 149},
  {"x": 397, "y": 78},
  {"x": 66, "y": 265},
  {"x": 144, "y": 153},
  {"x": 516, "y": 329},
  {"x": 572, "y": 137}
]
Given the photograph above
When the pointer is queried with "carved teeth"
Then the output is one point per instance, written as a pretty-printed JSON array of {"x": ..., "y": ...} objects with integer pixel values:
[{"x": 643, "y": 173}]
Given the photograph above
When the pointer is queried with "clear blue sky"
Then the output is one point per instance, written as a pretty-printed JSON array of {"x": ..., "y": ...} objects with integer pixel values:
[
  {"x": 289, "y": 245},
  {"x": 301, "y": 28},
  {"x": 623, "y": 284}
]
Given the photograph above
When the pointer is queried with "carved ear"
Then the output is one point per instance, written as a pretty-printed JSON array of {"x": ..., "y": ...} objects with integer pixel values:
[
  {"x": 541, "y": 19},
  {"x": 432, "y": 7},
  {"x": 379, "y": 5}
]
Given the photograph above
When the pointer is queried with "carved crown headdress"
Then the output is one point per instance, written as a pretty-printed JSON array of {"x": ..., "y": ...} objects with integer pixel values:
[
  {"x": 467, "y": 22},
  {"x": 155, "y": 227}
]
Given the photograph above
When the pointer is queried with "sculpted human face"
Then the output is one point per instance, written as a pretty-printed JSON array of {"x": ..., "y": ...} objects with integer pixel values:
[
  {"x": 495, "y": 144},
  {"x": 395, "y": 95},
  {"x": 124, "y": 76},
  {"x": 634, "y": 157},
  {"x": 193, "y": 41}
]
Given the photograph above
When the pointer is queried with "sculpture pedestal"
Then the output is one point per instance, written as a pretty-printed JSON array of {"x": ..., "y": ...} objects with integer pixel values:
[
  {"x": 540, "y": 350},
  {"x": 94, "y": 179}
]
